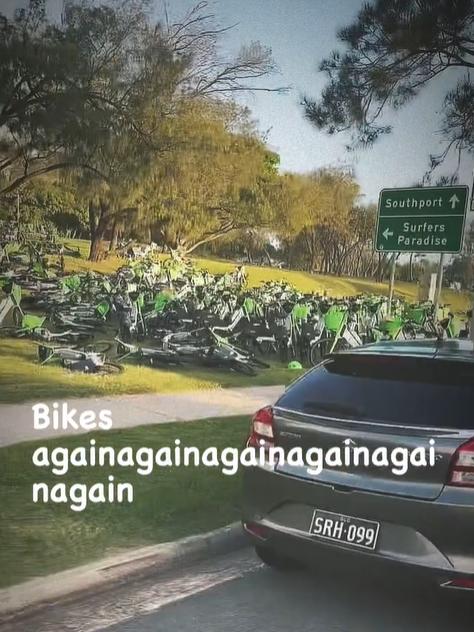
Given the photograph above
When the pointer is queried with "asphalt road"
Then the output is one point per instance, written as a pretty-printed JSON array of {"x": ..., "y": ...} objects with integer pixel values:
[{"x": 236, "y": 593}]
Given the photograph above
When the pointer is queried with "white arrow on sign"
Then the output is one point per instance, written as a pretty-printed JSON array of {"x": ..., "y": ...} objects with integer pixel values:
[
  {"x": 454, "y": 200},
  {"x": 387, "y": 233}
]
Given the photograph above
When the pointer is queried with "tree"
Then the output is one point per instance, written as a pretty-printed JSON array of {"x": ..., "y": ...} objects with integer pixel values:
[
  {"x": 213, "y": 183},
  {"x": 314, "y": 214},
  {"x": 133, "y": 75},
  {"x": 393, "y": 50},
  {"x": 354, "y": 244},
  {"x": 92, "y": 94},
  {"x": 461, "y": 268},
  {"x": 56, "y": 89},
  {"x": 196, "y": 38},
  {"x": 174, "y": 65}
]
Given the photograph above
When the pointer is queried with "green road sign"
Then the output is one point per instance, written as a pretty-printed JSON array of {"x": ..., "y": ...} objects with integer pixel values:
[{"x": 428, "y": 219}]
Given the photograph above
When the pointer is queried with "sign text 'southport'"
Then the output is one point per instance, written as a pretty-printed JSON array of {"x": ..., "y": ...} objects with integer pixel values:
[
  {"x": 425, "y": 219},
  {"x": 411, "y": 202}
]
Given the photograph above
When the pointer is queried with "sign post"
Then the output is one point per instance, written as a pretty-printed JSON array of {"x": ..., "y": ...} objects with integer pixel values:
[
  {"x": 423, "y": 219},
  {"x": 433, "y": 285},
  {"x": 439, "y": 284},
  {"x": 393, "y": 268}
]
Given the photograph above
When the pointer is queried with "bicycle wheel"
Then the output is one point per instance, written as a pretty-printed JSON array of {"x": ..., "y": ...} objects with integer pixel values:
[
  {"x": 267, "y": 348},
  {"x": 17, "y": 316},
  {"x": 258, "y": 363},
  {"x": 408, "y": 332},
  {"x": 286, "y": 352},
  {"x": 320, "y": 349},
  {"x": 121, "y": 349},
  {"x": 8, "y": 332},
  {"x": 44, "y": 353},
  {"x": 101, "y": 346},
  {"x": 77, "y": 338},
  {"x": 162, "y": 360},
  {"x": 243, "y": 367},
  {"x": 110, "y": 368}
]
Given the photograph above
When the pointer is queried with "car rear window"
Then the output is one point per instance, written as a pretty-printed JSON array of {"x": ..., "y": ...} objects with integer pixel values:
[{"x": 395, "y": 390}]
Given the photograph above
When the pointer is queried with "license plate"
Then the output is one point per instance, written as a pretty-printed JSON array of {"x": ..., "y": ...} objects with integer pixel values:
[{"x": 347, "y": 529}]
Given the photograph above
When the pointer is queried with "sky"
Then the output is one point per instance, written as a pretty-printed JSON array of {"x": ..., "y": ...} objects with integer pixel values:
[{"x": 300, "y": 34}]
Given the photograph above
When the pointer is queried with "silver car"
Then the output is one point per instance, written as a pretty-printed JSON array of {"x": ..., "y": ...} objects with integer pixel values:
[{"x": 389, "y": 398}]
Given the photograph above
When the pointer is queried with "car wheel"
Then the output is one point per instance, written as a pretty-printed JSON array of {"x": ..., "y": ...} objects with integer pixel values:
[{"x": 276, "y": 560}]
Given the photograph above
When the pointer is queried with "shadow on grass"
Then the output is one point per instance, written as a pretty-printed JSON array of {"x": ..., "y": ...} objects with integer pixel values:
[{"x": 23, "y": 379}]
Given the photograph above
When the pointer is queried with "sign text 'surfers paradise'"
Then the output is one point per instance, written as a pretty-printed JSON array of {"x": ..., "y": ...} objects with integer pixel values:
[{"x": 428, "y": 219}]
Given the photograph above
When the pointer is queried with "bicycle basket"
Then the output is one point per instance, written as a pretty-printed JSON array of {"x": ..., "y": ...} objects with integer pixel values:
[
  {"x": 334, "y": 318},
  {"x": 456, "y": 326},
  {"x": 71, "y": 283},
  {"x": 416, "y": 314},
  {"x": 391, "y": 326},
  {"x": 249, "y": 306},
  {"x": 32, "y": 321},
  {"x": 4, "y": 281},
  {"x": 38, "y": 268},
  {"x": 301, "y": 312},
  {"x": 161, "y": 301},
  {"x": 103, "y": 308}
]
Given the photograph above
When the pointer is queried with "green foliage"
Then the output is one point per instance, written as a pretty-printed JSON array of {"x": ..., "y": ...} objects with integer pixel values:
[
  {"x": 94, "y": 95},
  {"x": 317, "y": 221},
  {"x": 213, "y": 182},
  {"x": 42, "y": 201},
  {"x": 392, "y": 51},
  {"x": 461, "y": 268},
  {"x": 57, "y": 90}
]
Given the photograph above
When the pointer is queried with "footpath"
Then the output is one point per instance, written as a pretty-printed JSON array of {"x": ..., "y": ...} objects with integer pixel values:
[{"x": 16, "y": 420}]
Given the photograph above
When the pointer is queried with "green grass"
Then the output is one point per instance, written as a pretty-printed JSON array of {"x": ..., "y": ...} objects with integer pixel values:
[
  {"x": 22, "y": 378},
  {"x": 305, "y": 282},
  {"x": 39, "y": 539},
  {"x": 81, "y": 264}
]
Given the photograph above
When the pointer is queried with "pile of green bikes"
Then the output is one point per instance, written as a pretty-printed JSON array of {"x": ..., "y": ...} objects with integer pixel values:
[{"x": 166, "y": 312}]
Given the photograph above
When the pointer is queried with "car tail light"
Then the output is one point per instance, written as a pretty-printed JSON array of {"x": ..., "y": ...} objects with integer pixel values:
[
  {"x": 256, "y": 529},
  {"x": 261, "y": 429},
  {"x": 463, "y": 583},
  {"x": 462, "y": 466}
]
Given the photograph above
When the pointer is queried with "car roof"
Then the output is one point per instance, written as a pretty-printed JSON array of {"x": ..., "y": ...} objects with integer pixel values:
[{"x": 454, "y": 349}]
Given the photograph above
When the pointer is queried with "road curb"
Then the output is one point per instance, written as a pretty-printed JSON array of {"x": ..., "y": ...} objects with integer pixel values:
[{"x": 27, "y": 598}]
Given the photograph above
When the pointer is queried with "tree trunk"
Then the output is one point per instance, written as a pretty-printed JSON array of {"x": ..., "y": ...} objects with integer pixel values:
[
  {"x": 97, "y": 249},
  {"x": 98, "y": 221},
  {"x": 114, "y": 236},
  {"x": 269, "y": 259}
]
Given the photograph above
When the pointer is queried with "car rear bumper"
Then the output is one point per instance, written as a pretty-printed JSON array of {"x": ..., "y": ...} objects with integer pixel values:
[{"x": 434, "y": 536}]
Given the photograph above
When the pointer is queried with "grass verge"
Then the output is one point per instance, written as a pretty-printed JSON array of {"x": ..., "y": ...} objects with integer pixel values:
[
  {"x": 39, "y": 539},
  {"x": 23, "y": 379}
]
